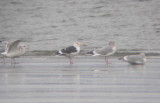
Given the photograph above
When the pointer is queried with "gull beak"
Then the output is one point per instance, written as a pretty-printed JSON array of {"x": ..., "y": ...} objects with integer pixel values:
[
  {"x": 81, "y": 44},
  {"x": 27, "y": 47},
  {"x": 84, "y": 45}
]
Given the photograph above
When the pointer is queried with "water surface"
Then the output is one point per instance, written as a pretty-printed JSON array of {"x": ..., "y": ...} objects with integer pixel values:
[{"x": 54, "y": 24}]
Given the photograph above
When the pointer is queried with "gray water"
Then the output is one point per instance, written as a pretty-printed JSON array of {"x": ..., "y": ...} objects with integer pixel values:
[{"x": 54, "y": 24}]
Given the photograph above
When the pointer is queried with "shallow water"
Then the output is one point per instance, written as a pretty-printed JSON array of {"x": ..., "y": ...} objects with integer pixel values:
[
  {"x": 89, "y": 80},
  {"x": 54, "y": 24}
]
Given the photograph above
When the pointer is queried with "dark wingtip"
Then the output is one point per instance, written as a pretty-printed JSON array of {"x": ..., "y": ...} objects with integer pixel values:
[
  {"x": 120, "y": 59},
  {"x": 90, "y": 52},
  {"x": 57, "y": 53}
]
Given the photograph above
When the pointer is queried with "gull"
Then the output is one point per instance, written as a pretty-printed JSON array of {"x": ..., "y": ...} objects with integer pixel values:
[
  {"x": 105, "y": 51},
  {"x": 71, "y": 51},
  {"x": 13, "y": 50},
  {"x": 135, "y": 59}
]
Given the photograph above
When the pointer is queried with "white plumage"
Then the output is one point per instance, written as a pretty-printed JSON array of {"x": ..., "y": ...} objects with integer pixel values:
[{"x": 13, "y": 50}]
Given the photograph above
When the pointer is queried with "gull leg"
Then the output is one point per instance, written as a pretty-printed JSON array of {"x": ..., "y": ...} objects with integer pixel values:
[
  {"x": 11, "y": 61},
  {"x": 14, "y": 61},
  {"x": 107, "y": 61},
  {"x": 4, "y": 60},
  {"x": 71, "y": 61}
]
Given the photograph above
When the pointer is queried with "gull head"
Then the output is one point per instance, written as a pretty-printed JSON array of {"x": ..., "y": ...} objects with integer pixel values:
[
  {"x": 23, "y": 47},
  {"x": 77, "y": 44},
  {"x": 112, "y": 43}
]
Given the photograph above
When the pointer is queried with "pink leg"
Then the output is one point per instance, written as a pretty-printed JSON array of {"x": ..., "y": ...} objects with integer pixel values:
[
  {"x": 13, "y": 61},
  {"x": 107, "y": 62},
  {"x": 71, "y": 62},
  {"x": 106, "y": 59}
]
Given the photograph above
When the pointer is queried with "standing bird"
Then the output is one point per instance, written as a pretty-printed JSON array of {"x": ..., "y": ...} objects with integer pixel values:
[
  {"x": 105, "y": 51},
  {"x": 13, "y": 50},
  {"x": 135, "y": 59},
  {"x": 70, "y": 51}
]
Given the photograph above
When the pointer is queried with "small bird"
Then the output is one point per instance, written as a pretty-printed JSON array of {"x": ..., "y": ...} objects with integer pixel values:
[
  {"x": 71, "y": 51},
  {"x": 105, "y": 51},
  {"x": 134, "y": 59},
  {"x": 13, "y": 50}
]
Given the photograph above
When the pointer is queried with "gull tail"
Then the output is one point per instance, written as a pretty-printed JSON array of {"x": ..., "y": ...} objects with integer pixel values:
[
  {"x": 57, "y": 53},
  {"x": 4, "y": 53},
  {"x": 122, "y": 59}
]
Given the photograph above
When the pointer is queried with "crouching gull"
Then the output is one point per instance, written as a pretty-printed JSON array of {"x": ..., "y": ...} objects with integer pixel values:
[
  {"x": 135, "y": 59},
  {"x": 105, "y": 51},
  {"x": 71, "y": 51},
  {"x": 13, "y": 50}
]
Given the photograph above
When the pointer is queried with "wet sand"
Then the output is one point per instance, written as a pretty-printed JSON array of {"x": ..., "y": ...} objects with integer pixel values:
[{"x": 89, "y": 80}]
